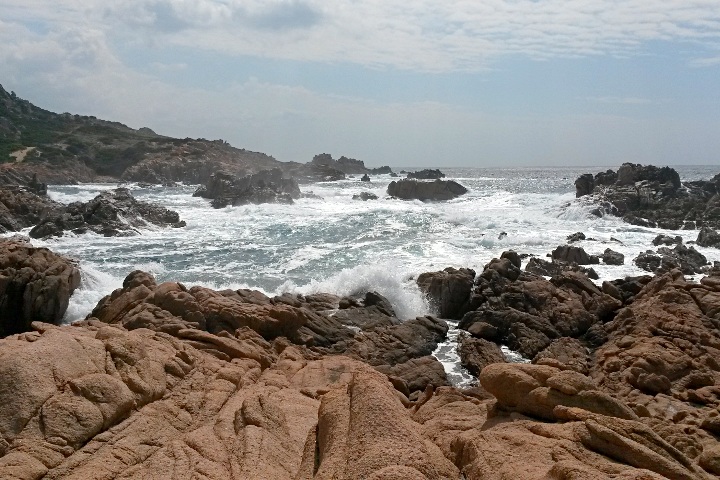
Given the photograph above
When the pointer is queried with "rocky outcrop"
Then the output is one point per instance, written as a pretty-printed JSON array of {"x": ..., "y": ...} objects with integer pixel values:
[
  {"x": 366, "y": 330},
  {"x": 708, "y": 237},
  {"x": 654, "y": 197},
  {"x": 538, "y": 266},
  {"x": 365, "y": 196},
  {"x": 347, "y": 165},
  {"x": 268, "y": 186},
  {"x": 448, "y": 291},
  {"x": 425, "y": 191},
  {"x": 572, "y": 254},
  {"x": 477, "y": 353},
  {"x": 168, "y": 381},
  {"x": 611, "y": 257},
  {"x": 112, "y": 213},
  {"x": 426, "y": 174},
  {"x": 20, "y": 208},
  {"x": 682, "y": 257},
  {"x": 35, "y": 285},
  {"x": 527, "y": 312}
]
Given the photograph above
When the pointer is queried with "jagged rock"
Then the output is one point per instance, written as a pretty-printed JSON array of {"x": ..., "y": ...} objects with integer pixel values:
[
  {"x": 111, "y": 213},
  {"x": 572, "y": 254},
  {"x": 542, "y": 267},
  {"x": 365, "y": 196},
  {"x": 536, "y": 390},
  {"x": 477, "y": 353},
  {"x": 365, "y": 178},
  {"x": 426, "y": 174},
  {"x": 687, "y": 259},
  {"x": 267, "y": 186},
  {"x": 448, "y": 291},
  {"x": 363, "y": 431},
  {"x": 35, "y": 285},
  {"x": 667, "y": 240},
  {"x": 566, "y": 354},
  {"x": 654, "y": 197},
  {"x": 708, "y": 237},
  {"x": 526, "y": 312},
  {"x": 661, "y": 349},
  {"x": 21, "y": 208},
  {"x": 611, "y": 257},
  {"x": 575, "y": 237},
  {"x": 425, "y": 191}
]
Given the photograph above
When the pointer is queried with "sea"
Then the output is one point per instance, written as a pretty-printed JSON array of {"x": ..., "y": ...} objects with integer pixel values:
[{"x": 332, "y": 243}]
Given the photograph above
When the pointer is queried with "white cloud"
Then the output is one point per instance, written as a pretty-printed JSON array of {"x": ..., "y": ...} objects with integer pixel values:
[{"x": 423, "y": 35}]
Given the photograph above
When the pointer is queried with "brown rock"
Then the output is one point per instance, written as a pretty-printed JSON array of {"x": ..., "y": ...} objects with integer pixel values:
[{"x": 35, "y": 285}]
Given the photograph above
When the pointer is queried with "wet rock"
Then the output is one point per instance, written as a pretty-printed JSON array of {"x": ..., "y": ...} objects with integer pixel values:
[
  {"x": 112, "y": 213},
  {"x": 21, "y": 208},
  {"x": 654, "y": 197},
  {"x": 542, "y": 267},
  {"x": 267, "y": 186},
  {"x": 477, "y": 353},
  {"x": 426, "y": 174},
  {"x": 365, "y": 196},
  {"x": 571, "y": 254},
  {"x": 448, "y": 291},
  {"x": 611, "y": 257},
  {"x": 575, "y": 237},
  {"x": 687, "y": 259},
  {"x": 438, "y": 190},
  {"x": 708, "y": 237},
  {"x": 35, "y": 285},
  {"x": 365, "y": 178},
  {"x": 667, "y": 240}
]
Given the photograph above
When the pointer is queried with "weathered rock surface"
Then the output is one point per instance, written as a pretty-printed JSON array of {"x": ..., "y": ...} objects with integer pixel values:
[
  {"x": 527, "y": 312},
  {"x": 572, "y": 254},
  {"x": 611, "y": 257},
  {"x": 708, "y": 237},
  {"x": 538, "y": 266},
  {"x": 267, "y": 186},
  {"x": 438, "y": 190},
  {"x": 654, "y": 197},
  {"x": 21, "y": 208},
  {"x": 426, "y": 174},
  {"x": 477, "y": 353},
  {"x": 365, "y": 196},
  {"x": 448, "y": 291},
  {"x": 682, "y": 257},
  {"x": 164, "y": 381},
  {"x": 35, "y": 285},
  {"x": 112, "y": 213}
]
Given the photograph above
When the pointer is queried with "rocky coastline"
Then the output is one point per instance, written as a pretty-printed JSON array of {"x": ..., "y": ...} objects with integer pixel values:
[
  {"x": 623, "y": 379},
  {"x": 652, "y": 196}
]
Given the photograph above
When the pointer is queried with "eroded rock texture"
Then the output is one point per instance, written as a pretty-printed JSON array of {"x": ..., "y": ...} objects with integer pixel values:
[{"x": 35, "y": 285}]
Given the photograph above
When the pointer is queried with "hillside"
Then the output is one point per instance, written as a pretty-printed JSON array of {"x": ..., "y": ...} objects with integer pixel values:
[{"x": 67, "y": 148}]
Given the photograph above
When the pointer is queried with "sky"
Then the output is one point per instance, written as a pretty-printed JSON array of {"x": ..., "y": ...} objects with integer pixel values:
[{"x": 489, "y": 83}]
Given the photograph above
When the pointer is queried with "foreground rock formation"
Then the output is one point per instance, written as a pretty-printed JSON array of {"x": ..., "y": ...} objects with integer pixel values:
[
  {"x": 438, "y": 190},
  {"x": 165, "y": 381},
  {"x": 654, "y": 197},
  {"x": 35, "y": 284}
]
